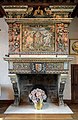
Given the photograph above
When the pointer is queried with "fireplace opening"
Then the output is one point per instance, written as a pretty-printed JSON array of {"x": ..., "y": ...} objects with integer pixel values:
[{"x": 47, "y": 82}]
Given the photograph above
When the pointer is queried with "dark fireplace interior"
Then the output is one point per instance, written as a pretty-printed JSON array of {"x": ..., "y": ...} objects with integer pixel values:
[{"x": 47, "y": 82}]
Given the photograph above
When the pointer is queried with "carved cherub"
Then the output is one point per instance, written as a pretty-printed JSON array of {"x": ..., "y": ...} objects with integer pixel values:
[{"x": 38, "y": 11}]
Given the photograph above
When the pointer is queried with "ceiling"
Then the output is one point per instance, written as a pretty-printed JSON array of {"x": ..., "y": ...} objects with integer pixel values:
[
  {"x": 42, "y": 2},
  {"x": 39, "y": 3}
]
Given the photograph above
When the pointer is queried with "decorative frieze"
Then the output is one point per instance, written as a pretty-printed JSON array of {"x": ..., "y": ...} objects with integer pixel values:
[
  {"x": 21, "y": 66},
  {"x": 54, "y": 66},
  {"x": 38, "y": 65}
]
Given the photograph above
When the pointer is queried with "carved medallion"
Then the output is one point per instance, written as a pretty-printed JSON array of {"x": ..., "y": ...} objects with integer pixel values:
[{"x": 75, "y": 46}]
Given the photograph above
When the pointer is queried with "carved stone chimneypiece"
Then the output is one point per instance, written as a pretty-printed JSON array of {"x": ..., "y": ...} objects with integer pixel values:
[{"x": 38, "y": 44}]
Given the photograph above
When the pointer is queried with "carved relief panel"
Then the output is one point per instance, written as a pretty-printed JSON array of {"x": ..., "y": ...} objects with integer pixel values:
[
  {"x": 38, "y": 39},
  {"x": 14, "y": 37},
  {"x": 62, "y": 37}
]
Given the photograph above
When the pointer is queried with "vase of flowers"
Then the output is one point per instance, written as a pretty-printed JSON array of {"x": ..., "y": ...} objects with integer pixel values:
[
  {"x": 37, "y": 96},
  {"x": 38, "y": 105}
]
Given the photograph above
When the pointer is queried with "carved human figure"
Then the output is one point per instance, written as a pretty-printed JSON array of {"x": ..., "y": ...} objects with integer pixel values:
[{"x": 38, "y": 11}]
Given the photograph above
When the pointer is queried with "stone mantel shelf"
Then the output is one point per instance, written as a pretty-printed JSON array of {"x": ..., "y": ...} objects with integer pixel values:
[{"x": 38, "y": 59}]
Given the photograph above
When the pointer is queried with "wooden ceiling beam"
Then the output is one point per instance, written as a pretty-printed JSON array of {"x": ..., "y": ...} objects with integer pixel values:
[
  {"x": 37, "y": 2},
  {"x": 75, "y": 12},
  {"x": 2, "y": 12}
]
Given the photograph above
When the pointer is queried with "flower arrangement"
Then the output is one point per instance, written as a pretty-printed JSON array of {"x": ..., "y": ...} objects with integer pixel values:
[{"x": 37, "y": 95}]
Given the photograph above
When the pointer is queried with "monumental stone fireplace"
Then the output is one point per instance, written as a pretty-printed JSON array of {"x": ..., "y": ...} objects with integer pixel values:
[
  {"x": 38, "y": 50},
  {"x": 27, "y": 72}
]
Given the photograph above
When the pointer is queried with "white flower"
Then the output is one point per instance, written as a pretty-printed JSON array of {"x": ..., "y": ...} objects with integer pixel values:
[{"x": 37, "y": 94}]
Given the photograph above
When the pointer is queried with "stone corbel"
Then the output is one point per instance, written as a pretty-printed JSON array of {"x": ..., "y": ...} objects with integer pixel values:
[
  {"x": 15, "y": 84},
  {"x": 61, "y": 89},
  {"x": 63, "y": 79}
]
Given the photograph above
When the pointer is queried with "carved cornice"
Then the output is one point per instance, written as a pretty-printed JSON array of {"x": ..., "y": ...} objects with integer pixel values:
[
  {"x": 28, "y": 60},
  {"x": 20, "y": 13},
  {"x": 38, "y": 20}
]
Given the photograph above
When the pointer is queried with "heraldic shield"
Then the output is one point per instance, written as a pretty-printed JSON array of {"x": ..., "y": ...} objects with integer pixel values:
[{"x": 38, "y": 67}]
